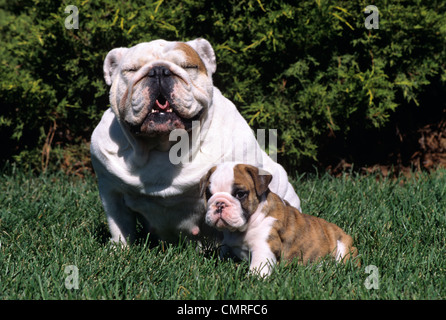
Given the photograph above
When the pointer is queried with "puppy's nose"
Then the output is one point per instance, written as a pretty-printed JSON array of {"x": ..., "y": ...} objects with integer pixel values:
[
  {"x": 220, "y": 206},
  {"x": 159, "y": 71}
]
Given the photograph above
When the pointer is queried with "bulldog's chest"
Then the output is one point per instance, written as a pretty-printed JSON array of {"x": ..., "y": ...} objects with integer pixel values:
[{"x": 157, "y": 180}]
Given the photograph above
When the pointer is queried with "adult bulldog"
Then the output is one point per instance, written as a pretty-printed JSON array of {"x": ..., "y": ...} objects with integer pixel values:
[{"x": 162, "y": 97}]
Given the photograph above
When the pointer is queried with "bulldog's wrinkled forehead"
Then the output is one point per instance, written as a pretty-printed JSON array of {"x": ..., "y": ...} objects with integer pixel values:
[{"x": 179, "y": 53}]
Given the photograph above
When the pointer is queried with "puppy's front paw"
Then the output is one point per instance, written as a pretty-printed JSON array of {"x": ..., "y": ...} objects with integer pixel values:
[{"x": 261, "y": 270}]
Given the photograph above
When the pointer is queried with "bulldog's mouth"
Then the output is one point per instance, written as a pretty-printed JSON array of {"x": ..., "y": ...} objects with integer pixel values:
[
  {"x": 161, "y": 105},
  {"x": 162, "y": 119}
]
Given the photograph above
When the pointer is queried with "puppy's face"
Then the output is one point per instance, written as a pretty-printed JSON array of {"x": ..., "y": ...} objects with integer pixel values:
[
  {"x": 160, "y": 86},
  {"x": 232, "y": 193}
]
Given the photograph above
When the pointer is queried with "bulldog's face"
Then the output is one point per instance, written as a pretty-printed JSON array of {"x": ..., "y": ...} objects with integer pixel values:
[
  {"x": 160, "y": 86},
  {"x": 232, "y": 193}
]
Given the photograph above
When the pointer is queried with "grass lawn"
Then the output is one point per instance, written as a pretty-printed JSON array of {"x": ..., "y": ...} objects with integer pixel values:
[{"x": 52, "y": 226}]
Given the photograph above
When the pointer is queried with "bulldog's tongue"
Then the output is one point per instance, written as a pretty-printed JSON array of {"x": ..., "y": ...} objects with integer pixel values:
[{"x": 163, "y": 104}]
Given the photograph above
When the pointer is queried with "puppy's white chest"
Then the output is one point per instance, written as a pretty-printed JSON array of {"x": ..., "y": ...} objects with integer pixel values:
[{"x": 254, "y": 241}]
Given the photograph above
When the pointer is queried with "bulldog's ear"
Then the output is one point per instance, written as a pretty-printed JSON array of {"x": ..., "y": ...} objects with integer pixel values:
[
  {"x": 206, "y": 53},
  {"x": 111, "y": 63},
  {"x": 260, "y": 177},
  {"x": 204, "y": 181}
]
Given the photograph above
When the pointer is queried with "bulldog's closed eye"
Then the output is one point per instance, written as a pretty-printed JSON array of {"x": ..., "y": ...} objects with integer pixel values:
[
  {"x": 130, "y": 69},
  {"x": 189, "y": 66}
]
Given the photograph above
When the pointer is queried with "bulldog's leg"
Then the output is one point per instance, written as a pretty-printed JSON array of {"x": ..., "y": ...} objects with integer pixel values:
[{"x": 121, "y": 220}]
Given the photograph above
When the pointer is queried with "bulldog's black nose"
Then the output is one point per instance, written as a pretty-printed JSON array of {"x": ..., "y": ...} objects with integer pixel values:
[{"x": 159, "y": 71}]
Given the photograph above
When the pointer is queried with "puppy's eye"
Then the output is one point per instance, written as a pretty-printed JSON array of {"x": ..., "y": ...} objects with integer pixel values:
[
  {"x": 208, "y": 193},
  {"x": 241, "y": 194}
]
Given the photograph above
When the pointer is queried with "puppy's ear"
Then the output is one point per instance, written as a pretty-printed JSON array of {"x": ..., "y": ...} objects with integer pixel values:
[
  {"x": 206, "y": 53},
  {"x": 260, "y": 177},
  {"x": 204, "y": 181},
  {"x": 111, "y": 63}
]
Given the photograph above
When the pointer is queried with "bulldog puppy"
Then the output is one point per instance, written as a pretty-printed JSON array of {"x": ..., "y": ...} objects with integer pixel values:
[
  {"x": 259, "y": 225},
  {"x": 166, "y": 127}
]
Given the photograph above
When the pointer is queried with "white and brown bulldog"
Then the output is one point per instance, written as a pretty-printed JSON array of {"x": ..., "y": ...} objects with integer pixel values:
[
  {"x": 163, "y": 100},
  {"x": 258, "y": 225}
]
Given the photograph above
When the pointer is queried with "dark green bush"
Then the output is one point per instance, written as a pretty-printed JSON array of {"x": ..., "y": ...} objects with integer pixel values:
[{"x": 307, "y": 68}]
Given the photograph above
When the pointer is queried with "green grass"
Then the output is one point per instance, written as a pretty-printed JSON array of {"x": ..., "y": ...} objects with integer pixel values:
[{"x": 52, "y": 221}]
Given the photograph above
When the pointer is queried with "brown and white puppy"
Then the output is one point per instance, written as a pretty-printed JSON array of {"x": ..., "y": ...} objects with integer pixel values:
[
  {"x": 258, "y": 224},
  {"x": 166, "y": 126}
]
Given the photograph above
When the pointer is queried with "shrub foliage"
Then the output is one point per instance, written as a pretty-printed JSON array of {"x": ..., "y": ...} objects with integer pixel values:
[{"x": 310, "y": 69}]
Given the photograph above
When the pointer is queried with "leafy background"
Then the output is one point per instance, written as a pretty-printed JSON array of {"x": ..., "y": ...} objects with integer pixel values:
[{"x": 310, "y": 69}]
